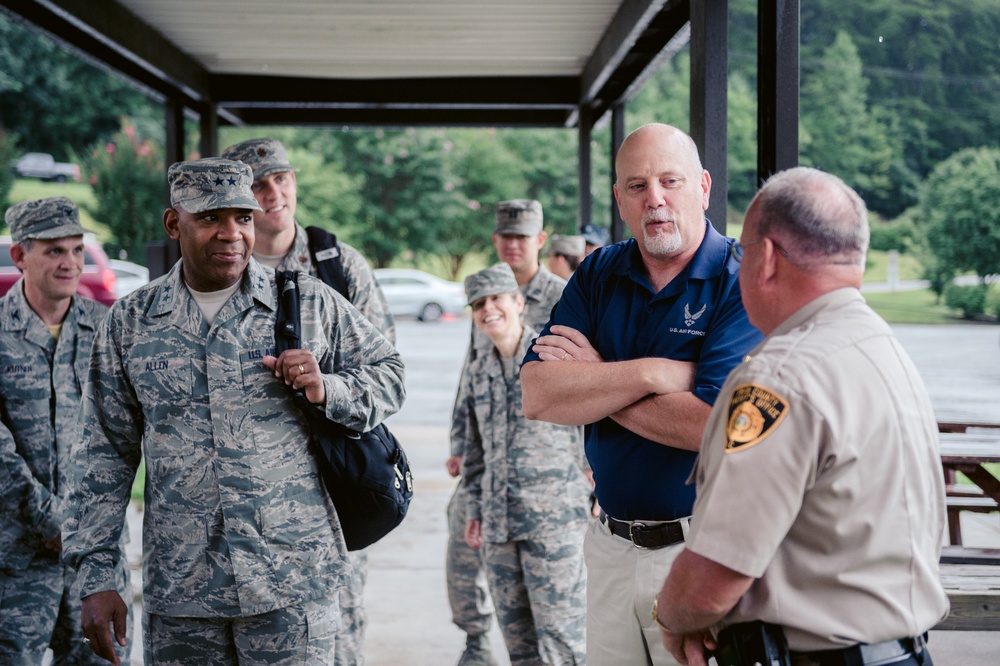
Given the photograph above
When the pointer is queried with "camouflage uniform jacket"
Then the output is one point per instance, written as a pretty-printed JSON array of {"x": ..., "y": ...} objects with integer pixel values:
[
  {"x": 236, "y": 520},
  {"x": 540, "y": 295},
  {"x": 524, "y": 478},
  {"x": 41, "y": 379},
  {"x": 362, "y": 290}
]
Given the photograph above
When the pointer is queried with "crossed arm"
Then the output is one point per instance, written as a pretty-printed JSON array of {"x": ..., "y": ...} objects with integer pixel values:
[{"x": 649, "y": 396}]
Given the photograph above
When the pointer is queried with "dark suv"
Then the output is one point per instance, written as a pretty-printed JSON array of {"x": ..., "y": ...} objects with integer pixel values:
[{"x": 97, "y": 281}]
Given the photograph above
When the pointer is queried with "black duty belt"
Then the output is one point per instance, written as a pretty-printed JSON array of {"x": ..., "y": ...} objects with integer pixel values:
[
  {"x": 641, "y": 535},
  {"x": 876, "y": 654}
]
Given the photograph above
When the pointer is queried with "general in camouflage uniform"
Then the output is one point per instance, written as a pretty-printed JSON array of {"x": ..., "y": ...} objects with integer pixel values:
[
  {"x": 46, "y": 333},
  {"x": 276, "y": 190},
  {"x": 243, "y": 553},
  {"x": 527, "y": 493},
  {"x": 518, "y": 222}
]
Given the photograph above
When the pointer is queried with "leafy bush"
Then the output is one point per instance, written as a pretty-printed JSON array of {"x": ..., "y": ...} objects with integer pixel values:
[
  {"x": 895, "y": 235},
  {"x": 129, "y": 186},
  {"x": 959, "y": 212},
  {"x": 971, "y": 300}
]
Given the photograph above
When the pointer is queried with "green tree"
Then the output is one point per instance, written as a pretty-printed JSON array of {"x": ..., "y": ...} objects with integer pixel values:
[
  {"x": 549, "y": 161},
  {"x": 403, "y": 186},
  {"x": 482, "y": 171},
  {"x": 959, "y": 213},
  {"x": 327, "y": 197},
  {"x": 128, "y": 180},
  {"x": 839, "y": 133},
  {"x": 57, "y": 102}
]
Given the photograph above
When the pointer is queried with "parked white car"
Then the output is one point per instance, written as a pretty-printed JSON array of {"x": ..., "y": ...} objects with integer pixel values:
[
  {"x": 129, "y": 276},
  {"x": 418, "y": 294}
]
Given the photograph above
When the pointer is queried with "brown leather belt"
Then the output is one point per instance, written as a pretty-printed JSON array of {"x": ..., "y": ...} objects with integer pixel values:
[{"x": 645, "y": 536}]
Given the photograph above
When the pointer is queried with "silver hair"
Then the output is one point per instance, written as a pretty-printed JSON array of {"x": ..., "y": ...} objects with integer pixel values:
[{"x": 815, "y": 215}]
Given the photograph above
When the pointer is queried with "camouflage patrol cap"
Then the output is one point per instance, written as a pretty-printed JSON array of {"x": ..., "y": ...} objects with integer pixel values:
[
  {"x": 264, "y": 156},
  {"x": 522, "y": 217},
  {"x": 210, "y": 184},
  {"x": 497, "y": 279},
  {"x": 595, "y": 235},
  {"x": 569, "y": 246},
  {"x": 54, "y": 217}
]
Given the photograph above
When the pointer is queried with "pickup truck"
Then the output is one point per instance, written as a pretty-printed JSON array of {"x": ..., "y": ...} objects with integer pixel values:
[{"x": 42, "y": 165}]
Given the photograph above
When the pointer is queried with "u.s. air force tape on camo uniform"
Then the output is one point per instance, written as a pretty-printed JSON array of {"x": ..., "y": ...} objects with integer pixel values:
[
  {"x": 526, "y": 484},
  {"x": 40, "y": 383},
  {"x": 237, "y": 522}
]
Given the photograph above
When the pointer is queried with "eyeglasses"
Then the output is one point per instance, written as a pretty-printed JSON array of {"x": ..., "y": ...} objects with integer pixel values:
[{"x": 737, "y": 248}]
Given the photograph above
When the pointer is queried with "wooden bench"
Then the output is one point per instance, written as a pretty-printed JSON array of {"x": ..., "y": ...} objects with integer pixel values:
[{"x": 974, "y": 593}]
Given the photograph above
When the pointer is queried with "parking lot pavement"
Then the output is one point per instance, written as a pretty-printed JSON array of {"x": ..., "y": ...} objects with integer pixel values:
[{"x": 409, "y": 619}]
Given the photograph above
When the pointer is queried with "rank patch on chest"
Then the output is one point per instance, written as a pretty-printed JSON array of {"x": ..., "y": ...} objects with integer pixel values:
[{"x": 754, "y": 413}]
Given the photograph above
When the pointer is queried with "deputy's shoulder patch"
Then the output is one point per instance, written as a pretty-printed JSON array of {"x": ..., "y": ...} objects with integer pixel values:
[{"x": 754, "y": 413}]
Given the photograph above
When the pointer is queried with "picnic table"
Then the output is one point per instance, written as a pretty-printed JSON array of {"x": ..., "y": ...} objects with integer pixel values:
[
  {"x": 969, "y": 448},
  {"x": 971, "y": 576}
]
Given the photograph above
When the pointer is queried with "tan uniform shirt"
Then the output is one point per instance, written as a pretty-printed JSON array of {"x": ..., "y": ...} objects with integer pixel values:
[{"x": 820, "y": 476}]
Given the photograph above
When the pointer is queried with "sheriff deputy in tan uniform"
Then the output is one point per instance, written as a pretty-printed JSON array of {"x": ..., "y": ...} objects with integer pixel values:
[{"x": 820, "y": 507}]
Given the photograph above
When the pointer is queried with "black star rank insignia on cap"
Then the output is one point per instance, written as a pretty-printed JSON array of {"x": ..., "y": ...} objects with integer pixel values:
[{"x": 754, "y": 413}]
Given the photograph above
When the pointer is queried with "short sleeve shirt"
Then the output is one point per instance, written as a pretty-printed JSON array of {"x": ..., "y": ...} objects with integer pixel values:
[
  {"x": 698, "y": 317},
  {"x": 820, "y": 477}
]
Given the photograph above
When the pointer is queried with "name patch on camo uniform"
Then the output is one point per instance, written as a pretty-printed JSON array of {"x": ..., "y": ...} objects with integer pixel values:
[{"x": 754, "y": 413}]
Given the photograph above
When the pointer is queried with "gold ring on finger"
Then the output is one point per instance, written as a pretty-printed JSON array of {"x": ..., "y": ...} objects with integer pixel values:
[{"x": 302, "y": 369}]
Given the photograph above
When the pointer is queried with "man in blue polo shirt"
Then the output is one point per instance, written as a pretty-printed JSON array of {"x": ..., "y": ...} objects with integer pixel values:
[{"x": 639, "y": 346}]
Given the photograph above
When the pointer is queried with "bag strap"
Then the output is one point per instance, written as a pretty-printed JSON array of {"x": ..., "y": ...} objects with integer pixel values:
[{"x": 326, "y": 255}]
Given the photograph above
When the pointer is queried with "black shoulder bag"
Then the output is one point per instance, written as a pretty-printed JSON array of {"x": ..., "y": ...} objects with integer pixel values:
[
  {"x": 366, "y": 474},
  {"x": 325, "y": 252}
]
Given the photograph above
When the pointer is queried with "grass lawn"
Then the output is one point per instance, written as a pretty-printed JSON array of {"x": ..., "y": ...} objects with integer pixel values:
[{"x": 911, "y": 307}]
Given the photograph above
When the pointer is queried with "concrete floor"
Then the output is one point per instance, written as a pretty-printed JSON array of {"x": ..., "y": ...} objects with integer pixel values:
[{"x": 406, "y": 600}]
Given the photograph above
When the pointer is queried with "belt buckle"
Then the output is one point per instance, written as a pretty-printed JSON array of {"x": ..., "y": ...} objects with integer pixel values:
[{"x": 632, "y": 528}]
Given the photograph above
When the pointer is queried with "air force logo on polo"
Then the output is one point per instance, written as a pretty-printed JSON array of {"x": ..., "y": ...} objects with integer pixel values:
[{"x": 690, "y": 319}]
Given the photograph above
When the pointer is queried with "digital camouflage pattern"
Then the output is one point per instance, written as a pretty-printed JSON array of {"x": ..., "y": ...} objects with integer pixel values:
[
  {"x": 362, "y": 290},
  {"x": 54, "y": 217},
  {"x": 464, "y": 574},
  {"x": 526, "y": 485},
  {"x": 266, "y": 156},
  {"x": 569, "y": 246},
  {"x": 302, "y": 635},
  {"x": 41, "y": 380},
  {"x": 211, "y": 184},
  {"x": 539, "y": 587},
  {"x": 521, "y": 217},
  {"x": 540, "y": 295},
  {"x": 353, "y": 619},
  {"x": 492, "y": 281},
  {"x": 263, "y": 156},
  {"x": 236, "y": 520}
]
